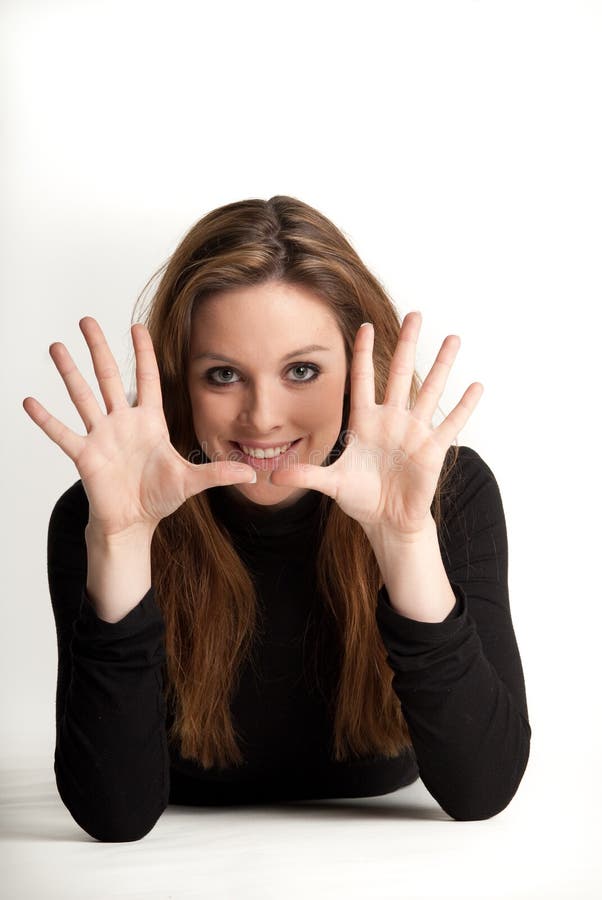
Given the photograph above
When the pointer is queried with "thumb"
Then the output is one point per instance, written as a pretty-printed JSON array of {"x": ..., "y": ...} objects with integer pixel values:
[
  {"x": 304, "y": 475},
  {"x": 217, "y": 474}
]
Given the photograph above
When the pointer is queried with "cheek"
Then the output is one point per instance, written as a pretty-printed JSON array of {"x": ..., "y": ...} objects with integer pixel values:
[
  {"x": 332, "y": 400},
  {"x": 327, "y": 415},
  {"x": 204, "y": 412},
  {"x": 212, "y": 415}
]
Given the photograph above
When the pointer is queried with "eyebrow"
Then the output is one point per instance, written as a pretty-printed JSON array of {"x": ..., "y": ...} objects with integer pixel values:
[{"x": 310, "y": 348}]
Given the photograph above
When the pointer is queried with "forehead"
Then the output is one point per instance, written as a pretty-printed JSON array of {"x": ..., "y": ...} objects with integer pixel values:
[{"x": 276, "y": 311}]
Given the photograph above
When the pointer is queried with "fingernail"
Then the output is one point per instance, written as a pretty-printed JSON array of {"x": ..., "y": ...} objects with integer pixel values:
[{"x": 365, "y": 323}]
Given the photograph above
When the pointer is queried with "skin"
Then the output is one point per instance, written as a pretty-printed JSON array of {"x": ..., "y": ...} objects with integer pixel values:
[
  {"x": 264, "y": 399},
  {"x": 385, "y": 478},
  {"x": 387, "y": 475}
]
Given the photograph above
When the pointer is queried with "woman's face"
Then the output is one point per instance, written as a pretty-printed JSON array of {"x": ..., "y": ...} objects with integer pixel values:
[{"x": 259, "y": 385}]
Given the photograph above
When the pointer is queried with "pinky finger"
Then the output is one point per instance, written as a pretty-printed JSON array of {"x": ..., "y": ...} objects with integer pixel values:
[
  {"x": 453, "y": 424},
  {"x": 70, "y": 442}
]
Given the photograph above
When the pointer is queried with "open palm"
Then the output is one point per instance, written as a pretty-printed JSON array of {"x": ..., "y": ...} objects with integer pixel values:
[
  {"x": 388, "y": 472},
  {"x": 132, "y": 474}
]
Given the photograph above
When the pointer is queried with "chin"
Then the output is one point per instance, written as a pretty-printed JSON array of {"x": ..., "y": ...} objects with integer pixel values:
[{"x": 265, "y": 493}]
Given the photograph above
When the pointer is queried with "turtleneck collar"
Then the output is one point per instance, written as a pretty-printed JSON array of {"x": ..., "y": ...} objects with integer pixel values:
[{"x": 243, "y": 516}]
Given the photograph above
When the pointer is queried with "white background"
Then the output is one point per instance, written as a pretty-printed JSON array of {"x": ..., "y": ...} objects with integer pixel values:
[{"x": 458, "y": 146}]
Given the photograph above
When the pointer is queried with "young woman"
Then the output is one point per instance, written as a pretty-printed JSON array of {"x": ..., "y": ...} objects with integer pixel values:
[{"x": 329, "y": 618}]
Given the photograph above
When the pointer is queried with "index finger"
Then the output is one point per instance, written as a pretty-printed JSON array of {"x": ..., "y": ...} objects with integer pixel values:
[
  {"x": 148, "y": 380},
  {"x": 362, "y": 368}
]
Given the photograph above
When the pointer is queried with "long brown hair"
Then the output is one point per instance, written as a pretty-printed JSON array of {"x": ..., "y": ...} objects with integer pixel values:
[{"x": 202, "y": 586}]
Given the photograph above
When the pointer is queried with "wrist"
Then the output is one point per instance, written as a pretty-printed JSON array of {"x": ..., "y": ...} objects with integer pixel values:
[
  {"x": 385, "y": 534},
  {"x": 119, "y": 571},
  {"x": 136, "y": 536},
  {"x": 413, "y": 572}
]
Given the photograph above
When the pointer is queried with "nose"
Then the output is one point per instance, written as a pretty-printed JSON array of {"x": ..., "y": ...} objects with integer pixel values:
[{"x": 263, "y": 409}]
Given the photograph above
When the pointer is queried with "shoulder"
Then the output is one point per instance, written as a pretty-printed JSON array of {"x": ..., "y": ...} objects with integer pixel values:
[
  {"x": 66, "y": 528},
  {"x": 72, "y": 505},
  {"x": 469, "y": 475},
  {"x": 471, "y": 464},
  {"x": 471, "y": 499}
]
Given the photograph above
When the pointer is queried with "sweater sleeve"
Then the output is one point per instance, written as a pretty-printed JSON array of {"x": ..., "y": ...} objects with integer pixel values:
[
  {"x": 111, "y": 760},
  {"x": 460, "y": 681}
]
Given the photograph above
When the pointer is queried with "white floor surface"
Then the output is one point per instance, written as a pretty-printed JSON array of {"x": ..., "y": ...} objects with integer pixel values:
[{"x": 401, "y": 845}]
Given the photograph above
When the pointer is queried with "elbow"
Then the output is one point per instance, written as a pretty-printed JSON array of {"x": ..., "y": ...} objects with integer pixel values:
[
  {"x": 109, "y": 822},
  {"x": 118, "y": 834},
  {"x": 102, "y": 828},
  {"x": 476, "y": 804},
  {"x": 475, "y": 811},
  {"x": 486, "y": 797}
]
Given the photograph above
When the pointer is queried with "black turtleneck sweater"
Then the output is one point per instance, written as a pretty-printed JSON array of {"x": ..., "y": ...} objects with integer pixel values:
[{"x": 460, "y": 681}]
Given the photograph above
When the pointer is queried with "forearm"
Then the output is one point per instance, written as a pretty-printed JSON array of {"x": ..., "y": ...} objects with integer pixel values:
[
  {"x": 414, "y": 573},
  {"x": 470, "y": 739},
  {"x": 119, "y": 572},
  {"x": 111, "y": 759}
]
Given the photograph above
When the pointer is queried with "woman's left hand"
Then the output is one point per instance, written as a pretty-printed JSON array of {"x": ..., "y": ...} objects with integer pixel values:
[{"x": 387, "y": 475}]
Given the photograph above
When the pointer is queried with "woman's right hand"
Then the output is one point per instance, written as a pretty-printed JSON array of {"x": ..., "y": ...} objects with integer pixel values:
[{"x": 132, "y": 474}]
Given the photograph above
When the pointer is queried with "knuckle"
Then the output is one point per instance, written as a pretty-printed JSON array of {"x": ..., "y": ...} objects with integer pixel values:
[
  {"x": 82, "y": 395},
  {"x": 106, "y": 372}
]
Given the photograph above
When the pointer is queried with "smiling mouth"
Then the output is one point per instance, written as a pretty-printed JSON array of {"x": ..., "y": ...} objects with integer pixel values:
[
  {"x": 292, "y": 444},
  {"x": 266, "y": 462}
]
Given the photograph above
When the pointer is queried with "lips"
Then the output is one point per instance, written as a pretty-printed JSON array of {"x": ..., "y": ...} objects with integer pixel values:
[{"x": 266, "y": 463}]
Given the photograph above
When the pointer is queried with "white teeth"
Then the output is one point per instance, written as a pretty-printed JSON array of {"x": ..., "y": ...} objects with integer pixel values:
[{"x": 265, "y": 454}]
